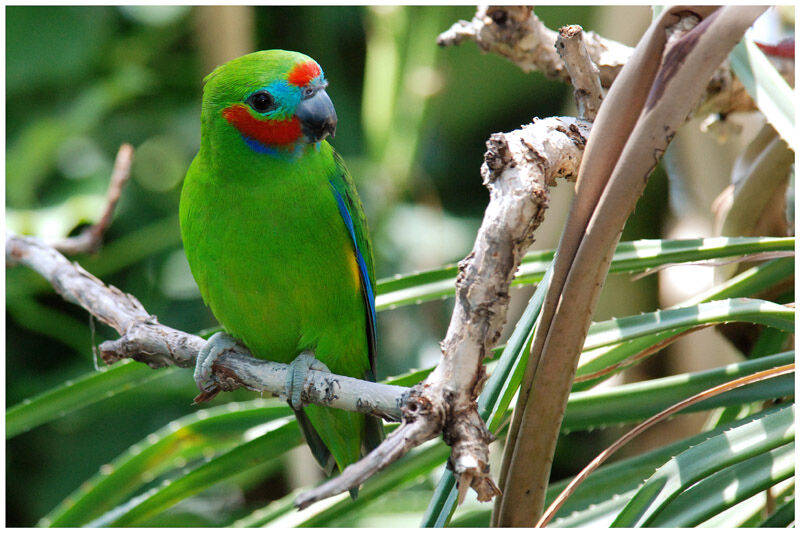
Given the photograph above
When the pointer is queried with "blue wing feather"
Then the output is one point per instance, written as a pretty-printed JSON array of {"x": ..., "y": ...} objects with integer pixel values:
[{"x": 362, "y": 265}]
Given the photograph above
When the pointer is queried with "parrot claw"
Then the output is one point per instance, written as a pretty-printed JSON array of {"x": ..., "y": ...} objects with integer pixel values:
[
  {"x": 296, "y": 377},
  {"x": 216, "y": 346}
]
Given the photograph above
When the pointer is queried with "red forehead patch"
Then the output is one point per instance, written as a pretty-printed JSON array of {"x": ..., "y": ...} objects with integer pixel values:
[{"x": 302, "y": 73}]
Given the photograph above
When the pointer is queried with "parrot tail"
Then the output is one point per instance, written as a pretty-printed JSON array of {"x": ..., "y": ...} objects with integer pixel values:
[
  {"x": 373, "y": 435},
  {"x": 321, "y": 452}
]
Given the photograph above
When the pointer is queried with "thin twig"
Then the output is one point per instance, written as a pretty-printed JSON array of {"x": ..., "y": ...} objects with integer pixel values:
[
  {"x": 583, "y": 73},
  {"x": 647, "y": 424},
  {"x": 415, "y": 430},
  {"x": 91, "y": 238}
]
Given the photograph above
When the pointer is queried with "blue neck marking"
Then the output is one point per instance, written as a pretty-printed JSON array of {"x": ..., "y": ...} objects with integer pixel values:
[
  {"x": 260, "y": 148},
  {"x": 287, "y": 154}
]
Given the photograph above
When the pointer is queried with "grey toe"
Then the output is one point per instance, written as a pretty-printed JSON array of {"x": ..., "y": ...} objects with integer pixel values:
[
  {"x": 219, "y": 343},
  {"x": 296, "y": 377}
]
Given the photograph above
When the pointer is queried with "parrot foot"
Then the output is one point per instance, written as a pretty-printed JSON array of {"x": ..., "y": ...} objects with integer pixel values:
[
  {"x": 219, "y": 343},
  {"x": 296, "y": 376}
]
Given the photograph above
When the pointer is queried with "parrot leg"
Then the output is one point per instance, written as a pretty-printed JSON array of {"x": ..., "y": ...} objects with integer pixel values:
[
  {"x": 296, "y": 376},
  {"x": 216, "y": 346}
]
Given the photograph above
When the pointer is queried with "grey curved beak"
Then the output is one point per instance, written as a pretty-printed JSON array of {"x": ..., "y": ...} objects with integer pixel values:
[{"x": 317, "y": 116}]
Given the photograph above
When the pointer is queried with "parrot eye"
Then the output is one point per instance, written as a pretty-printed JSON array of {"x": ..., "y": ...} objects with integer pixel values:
[
  {"x": 261, "y": 101},
  {"x": 308, "y": 91}
]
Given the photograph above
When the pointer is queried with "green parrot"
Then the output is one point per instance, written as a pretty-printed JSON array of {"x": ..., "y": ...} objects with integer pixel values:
[{"x": 277, "y": 239}]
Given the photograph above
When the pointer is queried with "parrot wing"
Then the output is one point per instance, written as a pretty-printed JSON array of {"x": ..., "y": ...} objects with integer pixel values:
[{"x": 353, "y": 216}]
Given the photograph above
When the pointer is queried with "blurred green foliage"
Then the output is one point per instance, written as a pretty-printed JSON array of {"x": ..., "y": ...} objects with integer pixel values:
[{"x": 413, "y": 120}]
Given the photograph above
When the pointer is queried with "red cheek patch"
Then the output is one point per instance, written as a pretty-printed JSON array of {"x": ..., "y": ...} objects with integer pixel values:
[
  {"x": 267, "y": 132},
  {"x": 302, "y": 73}
]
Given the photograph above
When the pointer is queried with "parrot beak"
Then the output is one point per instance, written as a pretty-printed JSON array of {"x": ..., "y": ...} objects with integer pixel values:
[{"x": 317, "y": 116}]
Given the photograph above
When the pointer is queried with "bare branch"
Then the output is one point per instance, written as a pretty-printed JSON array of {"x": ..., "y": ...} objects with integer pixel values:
[
  {"x": 582, "y": 71},
  {"x": 146, "y": 340},
  {"x": 155, "y": 344},
  {"x": 91, "y": 238},
  {"x": 516, "y": 33},
  {"x": 109, "y": 305}
]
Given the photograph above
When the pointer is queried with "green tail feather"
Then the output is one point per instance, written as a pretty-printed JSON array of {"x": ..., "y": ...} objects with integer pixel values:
[
  {"x": 321, "y": 452},
  {"x": 373, "y": 435}
]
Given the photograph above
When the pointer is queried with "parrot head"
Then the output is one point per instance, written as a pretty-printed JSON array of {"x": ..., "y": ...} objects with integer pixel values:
[{"x": 272, "y": 100}]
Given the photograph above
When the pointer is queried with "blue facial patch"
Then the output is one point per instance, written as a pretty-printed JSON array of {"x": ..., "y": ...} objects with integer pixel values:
[{"x": 286, "y": 96}]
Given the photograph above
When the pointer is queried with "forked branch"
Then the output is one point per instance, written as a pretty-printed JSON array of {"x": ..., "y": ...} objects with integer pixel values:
[
  {"x": 90, "y": 239},
  {"x": 518, "y": 169}
]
